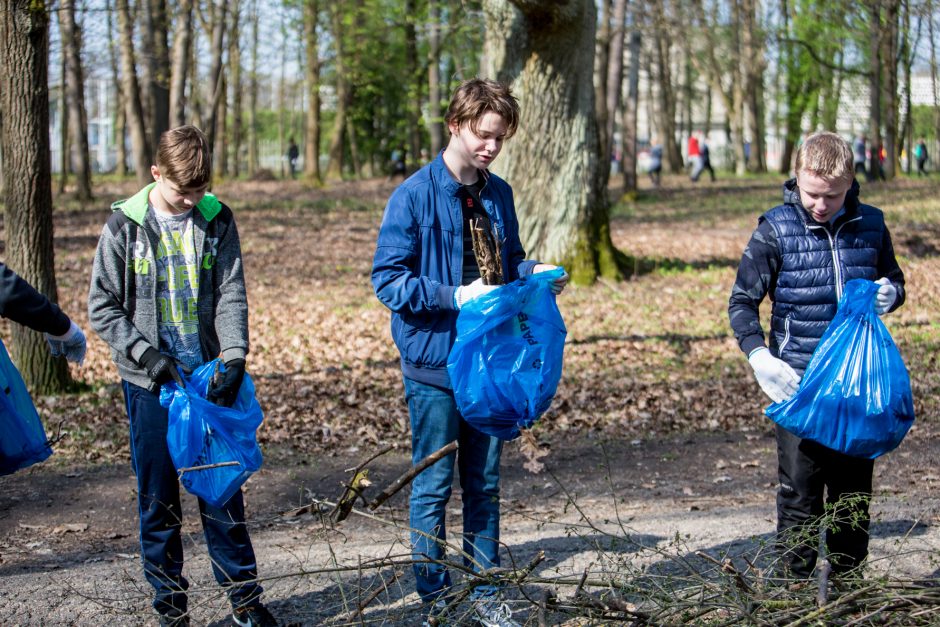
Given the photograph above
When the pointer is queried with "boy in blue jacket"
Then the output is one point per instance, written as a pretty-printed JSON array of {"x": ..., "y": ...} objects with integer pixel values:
[
  {"x": 168, "y": 289},
  {"x": 802, "y": 254},
  {"x": 424, "y": 271}
]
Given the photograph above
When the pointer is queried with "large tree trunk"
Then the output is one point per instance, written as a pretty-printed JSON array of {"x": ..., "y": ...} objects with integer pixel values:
[
  {"x": 140, "y": 145},
  {"x": 545, "y": 51},
  {"x": 24, "y": 94},
  {"x": 435, "y": 126},
  {"x": 75, "y": 95},
  {"x": 312, "y": 131},
  {"x": 182, "y": 41}
]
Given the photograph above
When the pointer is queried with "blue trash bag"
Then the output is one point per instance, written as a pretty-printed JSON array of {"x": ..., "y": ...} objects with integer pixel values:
[
  {"x": 855, "y": 396},
  {"x": 201, "y": 433},
  {"x": 23, "y": 441},
  {"x": 505, "y": 365}
]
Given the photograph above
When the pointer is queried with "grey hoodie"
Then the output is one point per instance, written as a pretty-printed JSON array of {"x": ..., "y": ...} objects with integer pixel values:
[{"x": 122, "y": 301}]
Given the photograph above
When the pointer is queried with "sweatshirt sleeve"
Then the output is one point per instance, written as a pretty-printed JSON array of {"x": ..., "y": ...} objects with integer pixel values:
[
  {"x": 757, "y": 276},
  {"x": 231, "y": 310},
  {"x": 22, "y": 303}
]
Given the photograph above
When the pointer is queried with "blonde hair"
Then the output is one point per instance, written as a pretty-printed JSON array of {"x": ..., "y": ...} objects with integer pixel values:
[
  {"x": 826, "y": 155},
  {"x": 476, "y": 97},
  {"x": 183, "y": 157}
]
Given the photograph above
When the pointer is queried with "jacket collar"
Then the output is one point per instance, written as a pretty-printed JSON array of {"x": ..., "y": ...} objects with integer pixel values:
[
  {"x": 135, "y": 207},
  {"x": 447, "y": 182}
]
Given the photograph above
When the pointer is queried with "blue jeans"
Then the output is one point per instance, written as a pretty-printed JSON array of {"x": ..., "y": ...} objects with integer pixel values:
[
  {"x": 435, "y": 422},
  {"x": 158, "y": 499}
]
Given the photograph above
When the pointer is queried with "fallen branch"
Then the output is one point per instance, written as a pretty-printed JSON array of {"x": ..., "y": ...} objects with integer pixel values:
[
  {"x": 183, "y": 471},
  {"x": 412, "y": 472}
]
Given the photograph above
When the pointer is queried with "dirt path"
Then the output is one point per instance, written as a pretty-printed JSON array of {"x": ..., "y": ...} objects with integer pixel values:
[{"x": 69, "y": 554}]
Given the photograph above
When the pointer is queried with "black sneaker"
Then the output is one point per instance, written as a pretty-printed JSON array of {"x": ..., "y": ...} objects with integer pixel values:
[
  {"x": 253, "y": 616},
  {"x": 176, "y": 620}
]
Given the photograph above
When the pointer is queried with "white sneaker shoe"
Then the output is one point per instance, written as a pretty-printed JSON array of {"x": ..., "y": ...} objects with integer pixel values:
[{"x": 493, "y": 612}]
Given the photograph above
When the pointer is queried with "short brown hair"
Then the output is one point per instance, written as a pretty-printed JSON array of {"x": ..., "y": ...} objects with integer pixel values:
[
  {"x": 826, "y": 155},
  {"x": 183, "y": 157},
  {"x": 476, "y": 97}
]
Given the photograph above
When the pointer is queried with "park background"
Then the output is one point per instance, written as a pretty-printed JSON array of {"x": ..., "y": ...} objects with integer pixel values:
[{"x": 650, "y": 360}]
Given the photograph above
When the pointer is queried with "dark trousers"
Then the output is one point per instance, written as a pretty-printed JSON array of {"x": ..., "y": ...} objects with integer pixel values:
[
  {"x": 806, "y": 470},
  {"x": 158, "y": 499}
]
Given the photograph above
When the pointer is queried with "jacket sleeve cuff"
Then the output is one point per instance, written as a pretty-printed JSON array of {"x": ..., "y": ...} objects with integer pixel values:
[
  {"x": 750, "y": 343},
  {"x": 233, "y": 353},
  {"x": 445, "y": 297},
  {"x": 137, "y": 351}
]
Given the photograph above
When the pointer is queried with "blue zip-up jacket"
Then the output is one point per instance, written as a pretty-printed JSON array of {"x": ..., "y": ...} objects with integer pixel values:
[
  {"x": 804, "y": 265},
  {"x": 418, "y": 263}
]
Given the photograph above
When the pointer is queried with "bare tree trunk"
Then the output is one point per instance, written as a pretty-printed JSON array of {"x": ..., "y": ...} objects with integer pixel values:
[
  {"x": 253, "y": 95},
  {"x": 235, "y": 68},
  {"x": 220, "y": 158},
  {"x": 753, "y": 56},
  {"x": 182, "y": 42},
  {"x": 413, "y": 83},
  {"x": 312, "y": 132},
  {"x": 890, "y": 65},
  {"x": 159, "y": 70},
  {"x": 134, "y": 110},
  {"x": 75, "y": 96},
  {"x": 214, "y": 80},
  {"x": 65, "y": 161},
  {"x": 874, "y": 87},
  {"x": 666, "y": 97},
  {"x": 24, "y": 137},
  {"x": 934, "y": 82},
  {"x": 334, "y": 170},
  {"x": 546, "y": 50},
  {"x": 120, "y": 118},
  {"x": 196, "y": 100},
  {"x": 630, "y": 108},
  {"x": 601, "y": 64},
  {"x": 615, "y": 69},
  {"x": 435, "y": 121}
]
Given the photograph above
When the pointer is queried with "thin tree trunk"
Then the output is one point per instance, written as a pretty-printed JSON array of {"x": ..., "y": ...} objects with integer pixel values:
[
  {"x": 413, "y": 111},
  {"x": 601, "y": 64},
  {"x": 614, "y": 75},
  {"x": 220, "y": 158},
  {"x": 182, "y": 42},
  {"x": 312, "y": 131},
  {"x": 334, "y": 170},
  {"x": 140, "y": 145},
  {"x": 120, "y": 119},
  {"x": 235, "y": 68},
  {"x": 666, "y": 98},
  {"x": 890, "y": 64},
  {"x": 874, "y": 87},
  {"x": 159, "y": 70},
  {"x": 253, "y": 95},
  {"x": 630, "y": 108},
  {"x": 24, "y": 137},
  {"x": 934, "y": 82},
  {"x": 435, "y": 120},
  {"x": 214, "y": 80},
  {"x": 65, "y": 161},
  {"x": 75, "y": 96}
]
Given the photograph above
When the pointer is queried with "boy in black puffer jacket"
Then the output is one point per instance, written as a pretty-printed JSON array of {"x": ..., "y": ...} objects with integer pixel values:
[{"x": 802, "y": 254}]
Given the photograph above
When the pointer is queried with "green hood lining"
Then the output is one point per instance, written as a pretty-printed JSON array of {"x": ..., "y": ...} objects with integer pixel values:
[{"x": 135, "y": 207}]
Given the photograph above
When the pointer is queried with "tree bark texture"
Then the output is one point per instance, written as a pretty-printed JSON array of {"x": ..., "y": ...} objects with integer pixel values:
[
  {"x": 312, "y": 132},
  {"x": 24, "y": 95},
  {"x": 253, "y": 95},
  {"x": 630, "y": 110},
  {"x": 435, "y": 120},
  {"x": 891, "y": 104},
  {"x": 235, "y": 68},
  {"x": 182, "y": 40},
  {"x": 75, "y": 96},
  {"x": 334, "y": 171},
  {"x": 545, "y": 51},
  {"x": 134, "y": 111},
  {"x": 214, "y": 80},
  {"x": 874, "y": 86},
  {"x": 160, "y": 67},
  {"x": 120, "y": 118}
]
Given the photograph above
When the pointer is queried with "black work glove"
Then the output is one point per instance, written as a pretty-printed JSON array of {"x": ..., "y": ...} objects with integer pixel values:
[
  {"x": 160, "y": 368},
  {"x": 224, "y": 386}
]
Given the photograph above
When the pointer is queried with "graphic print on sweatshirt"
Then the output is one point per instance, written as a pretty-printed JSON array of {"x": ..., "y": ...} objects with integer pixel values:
[{"x": 178, "y": 289}]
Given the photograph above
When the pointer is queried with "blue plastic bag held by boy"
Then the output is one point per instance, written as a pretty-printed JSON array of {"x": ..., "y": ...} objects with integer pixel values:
[
  {"x": 855, "y": 396},
  {"x": 201, "y": 433},
  {"x": 23, "y": 441},
  {"x": 505, "y": 365}
]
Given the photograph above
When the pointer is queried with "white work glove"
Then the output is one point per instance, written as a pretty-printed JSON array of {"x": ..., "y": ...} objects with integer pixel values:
[
  {"x": 558, "y": 284},
  {"x": 467, "y": 293},
  {"x": 886, "y": 296},
  {"x": 776, "y": 378},
  {"x": 70, "y": 344}
]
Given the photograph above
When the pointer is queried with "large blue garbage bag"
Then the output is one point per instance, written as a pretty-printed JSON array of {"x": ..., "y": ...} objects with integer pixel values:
[
  {"x": 855, "y": 396},
  {"x": 505, "y": 365},
  {"x": 23, "y": 441},
  {"x": 201, "y": 433}
]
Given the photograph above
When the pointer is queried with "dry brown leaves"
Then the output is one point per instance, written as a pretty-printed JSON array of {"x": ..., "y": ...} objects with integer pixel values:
[{"x": 647, "y": 356}]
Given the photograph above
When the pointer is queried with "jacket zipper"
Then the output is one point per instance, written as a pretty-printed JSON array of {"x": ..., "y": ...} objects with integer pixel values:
[
  {"x": 837, "y": 267},
  {"x": 786, "y": 336}
]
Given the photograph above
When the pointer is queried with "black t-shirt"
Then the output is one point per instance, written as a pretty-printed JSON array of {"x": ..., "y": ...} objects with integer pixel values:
[{"x": 472, "y": 208}]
